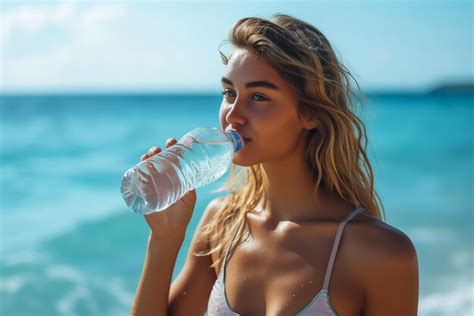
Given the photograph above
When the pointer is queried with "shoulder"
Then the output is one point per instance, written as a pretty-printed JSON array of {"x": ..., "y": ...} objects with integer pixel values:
[
  {"x": 212, "y": 208},
  {"x": 387, "y": 268},
  {"x": 381, "y": 241},
  {"x": 201, "y": 241}
]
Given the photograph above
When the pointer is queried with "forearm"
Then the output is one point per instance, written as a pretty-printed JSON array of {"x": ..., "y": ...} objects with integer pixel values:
[{"x": 152, "y": 293}]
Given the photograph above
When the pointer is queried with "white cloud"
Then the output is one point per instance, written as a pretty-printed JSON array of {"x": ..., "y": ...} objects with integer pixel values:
[
  {"x": 84, "y": 31},
  {"x": 92, "y": 20},
  {"x": 33, "y": 18},
  {"x": 64, "y": 12},
  {"x": 105, "y": 47},
  {"x": 141, "y": 45}
]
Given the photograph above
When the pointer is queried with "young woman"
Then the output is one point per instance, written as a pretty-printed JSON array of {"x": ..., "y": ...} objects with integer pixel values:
[{"x": 301, "y": 232}]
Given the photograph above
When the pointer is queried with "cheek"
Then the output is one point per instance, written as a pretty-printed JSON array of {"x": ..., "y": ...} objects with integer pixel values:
[
  {"x": 272, "y": 140},
  {"x": 279, "y": 136},
  {"x": 222, "y": 114}
]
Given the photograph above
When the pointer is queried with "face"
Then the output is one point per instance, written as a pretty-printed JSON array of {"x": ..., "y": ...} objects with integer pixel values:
[{"x": 259, "y": 104}]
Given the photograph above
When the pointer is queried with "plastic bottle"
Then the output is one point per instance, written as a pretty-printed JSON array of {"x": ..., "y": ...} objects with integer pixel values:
[{"x": 200, "y": 157}]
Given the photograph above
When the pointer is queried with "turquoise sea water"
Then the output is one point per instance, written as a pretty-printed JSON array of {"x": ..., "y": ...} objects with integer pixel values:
[{"x": 69, "y": 245}]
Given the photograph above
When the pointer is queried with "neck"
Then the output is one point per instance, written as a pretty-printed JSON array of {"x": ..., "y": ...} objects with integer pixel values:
[{"x": 290, "y": 195}]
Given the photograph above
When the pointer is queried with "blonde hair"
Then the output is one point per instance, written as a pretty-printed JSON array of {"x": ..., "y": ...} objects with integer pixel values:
[{"x": 335, "y": 150}]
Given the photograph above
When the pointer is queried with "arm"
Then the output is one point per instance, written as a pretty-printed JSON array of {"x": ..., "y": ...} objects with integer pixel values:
[
  {"x": 153, "y": 288},
  {"x": 189, "y": 294},
  {"x": 167, "y": 232},
  {"x": 392, "y": 279}
]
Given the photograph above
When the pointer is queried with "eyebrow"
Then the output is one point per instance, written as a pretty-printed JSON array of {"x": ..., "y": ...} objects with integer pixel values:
[{"x": 253, "y": 84}]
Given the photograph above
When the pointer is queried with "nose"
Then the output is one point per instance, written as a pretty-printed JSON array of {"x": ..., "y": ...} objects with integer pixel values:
[{"x": 236, "y": 115}]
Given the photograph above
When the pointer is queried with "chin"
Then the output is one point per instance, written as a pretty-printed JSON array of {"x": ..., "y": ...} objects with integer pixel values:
[
  {"x": 243, "y": 164},
  {"x": 241, "y": 161}
]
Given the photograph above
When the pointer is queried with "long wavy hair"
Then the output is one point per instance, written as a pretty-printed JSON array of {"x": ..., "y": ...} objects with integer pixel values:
[{"x": 335, "y": 150}]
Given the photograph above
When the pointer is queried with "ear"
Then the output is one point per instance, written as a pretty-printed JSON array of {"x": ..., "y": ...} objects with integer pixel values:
[{"x": 309, "y": 123}]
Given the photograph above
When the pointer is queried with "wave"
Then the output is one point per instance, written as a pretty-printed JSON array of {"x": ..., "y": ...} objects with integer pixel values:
[
  {"x": 58, "y": 289},
  {"x": 459, "y": 301}
]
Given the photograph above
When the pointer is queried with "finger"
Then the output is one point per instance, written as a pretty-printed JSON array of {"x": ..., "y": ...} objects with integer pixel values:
[
  {"x": 170, "y": 142},
  {"x": 142, "y": 176},
  {"x": 152, "y": 171},
  {"x": 143, "y": 157},
  {"x": 153, "y": 150}
]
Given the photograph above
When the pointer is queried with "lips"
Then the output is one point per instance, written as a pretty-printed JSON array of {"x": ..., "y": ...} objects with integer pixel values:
[
  {"x": 244, "y": 137},
  {"x": 246, "y": 140}
]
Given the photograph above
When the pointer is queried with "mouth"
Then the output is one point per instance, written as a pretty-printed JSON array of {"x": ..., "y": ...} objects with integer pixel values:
[{"x": 247, "y": 140}]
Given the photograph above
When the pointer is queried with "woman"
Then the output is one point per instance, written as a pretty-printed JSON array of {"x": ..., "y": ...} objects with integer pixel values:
[{"x": 304, "y": 193}]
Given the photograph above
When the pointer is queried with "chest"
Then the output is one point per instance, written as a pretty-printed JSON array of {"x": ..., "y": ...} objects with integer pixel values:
[{"x": 281, "y": 274}]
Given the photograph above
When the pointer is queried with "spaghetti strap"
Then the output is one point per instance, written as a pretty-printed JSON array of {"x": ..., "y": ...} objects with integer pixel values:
[{"x": 335, "y": 245}]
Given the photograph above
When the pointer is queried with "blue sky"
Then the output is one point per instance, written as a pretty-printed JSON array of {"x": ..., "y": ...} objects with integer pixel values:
[{"x": 157, "y": 46}]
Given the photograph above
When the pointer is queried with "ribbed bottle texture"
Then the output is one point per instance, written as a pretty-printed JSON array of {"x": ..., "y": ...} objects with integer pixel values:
[{"x": 200, "y": 157}]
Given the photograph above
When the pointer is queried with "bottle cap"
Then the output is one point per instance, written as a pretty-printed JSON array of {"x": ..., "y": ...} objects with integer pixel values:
[{"x": 236, "y": 139}]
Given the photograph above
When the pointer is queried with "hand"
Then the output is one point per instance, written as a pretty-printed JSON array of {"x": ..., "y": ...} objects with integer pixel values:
[{"x": 173, "y": 220}]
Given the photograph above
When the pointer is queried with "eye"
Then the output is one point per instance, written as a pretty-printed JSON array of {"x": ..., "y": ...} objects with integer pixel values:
[
  {"x": 228, "y": 93},
  {"x": 258, "y": 97}
]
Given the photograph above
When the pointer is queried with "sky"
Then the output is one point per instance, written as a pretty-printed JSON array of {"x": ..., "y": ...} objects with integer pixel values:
[{"x": 158, "y": 46}]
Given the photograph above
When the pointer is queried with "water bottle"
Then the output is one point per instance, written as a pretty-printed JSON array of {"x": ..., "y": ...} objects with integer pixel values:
[{"x": 200, "y": 157}]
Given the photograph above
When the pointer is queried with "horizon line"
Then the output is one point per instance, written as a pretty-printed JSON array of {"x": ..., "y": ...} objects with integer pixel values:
[{"x": 447, "y": 86}]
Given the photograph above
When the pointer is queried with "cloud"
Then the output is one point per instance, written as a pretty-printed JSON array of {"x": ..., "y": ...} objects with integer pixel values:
[
  {"x": 34, "y": 18},
  {"x": 48, "y": 44},
  {"x": 162, "y": 45},
  {"x": 97, "y": 16}
]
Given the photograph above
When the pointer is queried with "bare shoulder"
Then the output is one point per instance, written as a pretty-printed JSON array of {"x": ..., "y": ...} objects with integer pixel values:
[
  {"x": 387, "y": 267},
  {"x": 212, "y": 208},
  {"x": 197, "y": 277},
  {"x": 381, "y": 241},
  {"x": 198, "y": 243},
  {"x": 216, "y": 204}
]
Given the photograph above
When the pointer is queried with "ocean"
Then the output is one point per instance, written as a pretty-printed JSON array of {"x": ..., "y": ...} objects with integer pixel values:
[{"x": 70, "y": 246}]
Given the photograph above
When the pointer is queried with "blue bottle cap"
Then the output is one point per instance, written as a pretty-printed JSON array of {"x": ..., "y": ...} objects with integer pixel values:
[{"x": 236, "y": 139}]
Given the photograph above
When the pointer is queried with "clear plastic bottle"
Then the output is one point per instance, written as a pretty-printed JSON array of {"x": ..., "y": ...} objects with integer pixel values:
[{"x": 200, "y": 157}]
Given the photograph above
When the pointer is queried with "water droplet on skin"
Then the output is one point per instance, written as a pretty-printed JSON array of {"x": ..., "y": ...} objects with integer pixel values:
[
  {"x": 302, "y": 285},
  {"x": 310, "y": 281},
  {"x": 294, "y": 295},
  {"x": 245, "y": 278},
  {"x": 184, "y": 293}
]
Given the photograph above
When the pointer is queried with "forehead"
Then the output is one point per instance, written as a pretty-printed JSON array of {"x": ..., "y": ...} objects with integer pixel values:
[{"x": 246, "y": 66}]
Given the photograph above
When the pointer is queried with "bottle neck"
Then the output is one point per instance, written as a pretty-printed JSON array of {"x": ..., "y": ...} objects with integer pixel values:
[{"x": 237, "y": 140}]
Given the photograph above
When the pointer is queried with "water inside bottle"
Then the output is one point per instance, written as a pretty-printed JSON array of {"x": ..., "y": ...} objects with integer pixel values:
[{"x": 190, "y": 164}]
